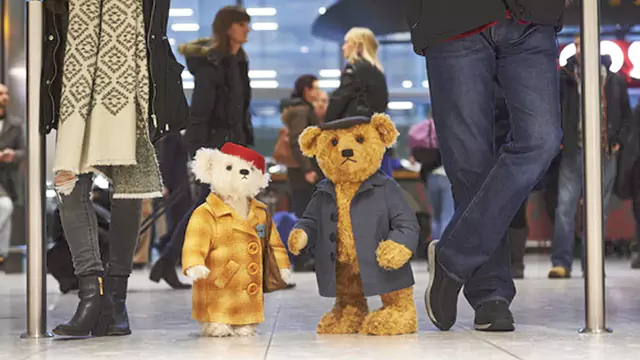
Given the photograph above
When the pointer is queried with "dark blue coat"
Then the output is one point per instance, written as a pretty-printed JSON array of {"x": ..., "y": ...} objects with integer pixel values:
[{"x": 379, "y": 212}]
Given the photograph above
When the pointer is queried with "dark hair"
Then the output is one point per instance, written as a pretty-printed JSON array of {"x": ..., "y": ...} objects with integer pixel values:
[
  {"x": 303, "y": 82},
  {"x": 225, "y": 18}
]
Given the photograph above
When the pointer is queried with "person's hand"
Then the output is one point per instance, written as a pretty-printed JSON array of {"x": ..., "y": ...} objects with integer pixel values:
[
  {"x": 412, "y": 159},
  {"x": 311, "y": 177},
  {"x": 165, "y": 192},
  {"x": 8, "y": 155},
  {"x": 616, "y": 148}
]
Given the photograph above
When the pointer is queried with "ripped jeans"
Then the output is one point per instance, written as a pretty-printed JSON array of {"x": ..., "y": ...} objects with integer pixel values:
[{"x": 81, "y": 230}]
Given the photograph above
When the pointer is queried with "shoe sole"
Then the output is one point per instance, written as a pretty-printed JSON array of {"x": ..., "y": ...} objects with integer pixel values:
[
  {"x": 496, "y": 326},
  {"x": 431, "y": 256}
]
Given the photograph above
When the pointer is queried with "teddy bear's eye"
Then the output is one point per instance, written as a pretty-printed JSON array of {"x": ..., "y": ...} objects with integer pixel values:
[
  {"x": 334, "y": 141},
  {"x": 229, "y": 167},
  {"x": 360, "y": 139}
]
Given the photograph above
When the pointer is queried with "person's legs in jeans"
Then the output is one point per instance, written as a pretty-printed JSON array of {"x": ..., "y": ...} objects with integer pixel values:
[
  {"x": 6, "y": 210},
  {"x": 439, "y": 189},
  {"x": 569, "y": 190},
  {"x": 473, "y": 249}
]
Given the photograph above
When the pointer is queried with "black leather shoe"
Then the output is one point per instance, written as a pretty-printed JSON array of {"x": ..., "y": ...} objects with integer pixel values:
[
  {"x": 165, "y": 270},
  {"x": 91, "y": 291},
  {"x": 114, "y": 320},
  {"x": 494, "y": 316},
  {"x": 441, "y": 297}
]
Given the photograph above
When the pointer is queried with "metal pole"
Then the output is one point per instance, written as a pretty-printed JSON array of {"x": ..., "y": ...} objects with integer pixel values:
[
  {"x": 36, "y": 274},
  {"x": 592, "y": 136}
]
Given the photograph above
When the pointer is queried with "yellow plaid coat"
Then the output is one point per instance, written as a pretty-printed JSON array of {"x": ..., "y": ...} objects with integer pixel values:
[{"x": 231, "y": 247}]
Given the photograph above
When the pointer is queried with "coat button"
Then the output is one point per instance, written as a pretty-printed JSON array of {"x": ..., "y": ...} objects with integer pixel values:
[
  {"x": 51, "y": 38},
  {"x": 48, "y": 82},
  {"x": 332, "y": 237},
  {"x": 334, "y": 217},
  {"x": 333, "y": 257},
  {"x": 253, "y": 248},
  {"x": 252, "y": 269},
  {"x": 252, "y": 289}
]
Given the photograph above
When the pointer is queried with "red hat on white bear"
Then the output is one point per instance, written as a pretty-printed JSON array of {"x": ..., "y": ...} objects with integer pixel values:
[{"x": 245, "y": 154}]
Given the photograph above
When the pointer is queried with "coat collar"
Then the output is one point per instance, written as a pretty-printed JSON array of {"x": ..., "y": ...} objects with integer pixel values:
[
  {"x": 220, "y": 208},
  {"x": 375, "y": 180}
]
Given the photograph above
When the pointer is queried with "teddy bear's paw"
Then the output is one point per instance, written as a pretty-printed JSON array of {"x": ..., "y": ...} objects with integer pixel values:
[
  {"x": 198, "y": 272},
  {"x": 391, "y": 255},
  {"x": 390, "y": 321},
  {"x": 297, "y": 241},
  {"x": 245, "y": 330},
  {"x": 346, "y": 320},
  {"x": 215, "y": 330}
]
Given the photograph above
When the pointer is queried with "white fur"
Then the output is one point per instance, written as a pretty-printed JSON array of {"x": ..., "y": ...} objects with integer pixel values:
[
  {"x": 215, "y": 330},
  {"x": 211, "y": 167},
  {"x": 287, "y": 276},
  {"x": 198, "y": 272},
  {"x": 245, "y": 330}
]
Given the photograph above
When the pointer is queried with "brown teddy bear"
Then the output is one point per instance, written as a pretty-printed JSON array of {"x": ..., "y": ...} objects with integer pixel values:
[{"x": 360, "y": 229}]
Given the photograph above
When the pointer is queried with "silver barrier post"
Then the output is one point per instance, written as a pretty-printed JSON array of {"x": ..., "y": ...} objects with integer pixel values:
[
  {"x": 36, "y": 274},
  {"x": 592, "y": 139}
]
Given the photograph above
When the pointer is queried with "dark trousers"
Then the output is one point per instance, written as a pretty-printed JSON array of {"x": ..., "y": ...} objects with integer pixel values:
[{"x": 490, "y": 189}]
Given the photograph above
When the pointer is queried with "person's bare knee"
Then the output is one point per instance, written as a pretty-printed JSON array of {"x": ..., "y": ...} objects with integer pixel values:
[{"x": 65, "y": 182}]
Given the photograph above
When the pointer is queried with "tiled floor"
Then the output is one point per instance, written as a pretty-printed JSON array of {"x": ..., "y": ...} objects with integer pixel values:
[{"x": 548, "y": 314}]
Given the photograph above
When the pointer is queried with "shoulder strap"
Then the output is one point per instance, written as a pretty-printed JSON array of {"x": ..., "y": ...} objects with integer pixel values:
[{"x": 267, "y": 236}]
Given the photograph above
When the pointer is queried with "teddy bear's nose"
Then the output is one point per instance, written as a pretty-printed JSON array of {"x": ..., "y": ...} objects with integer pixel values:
[
  {"x": 244, "y": 172},
  {"x": 347, "y": 153}
]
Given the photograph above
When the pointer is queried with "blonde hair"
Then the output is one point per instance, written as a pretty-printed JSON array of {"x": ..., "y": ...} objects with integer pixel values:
[{"x": 366, "y": 46}]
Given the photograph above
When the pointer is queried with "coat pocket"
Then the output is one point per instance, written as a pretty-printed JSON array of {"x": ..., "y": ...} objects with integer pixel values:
[{"x": 227, "y": 274}]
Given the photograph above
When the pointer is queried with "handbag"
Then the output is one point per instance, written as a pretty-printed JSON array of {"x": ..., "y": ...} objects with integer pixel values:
[
  {"x": 282, "y": 153},
  {"x": 271, "y": 278}
]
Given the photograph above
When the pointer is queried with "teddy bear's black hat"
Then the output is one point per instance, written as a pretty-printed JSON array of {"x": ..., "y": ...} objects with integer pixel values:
[{"x": 345, "y": 123}]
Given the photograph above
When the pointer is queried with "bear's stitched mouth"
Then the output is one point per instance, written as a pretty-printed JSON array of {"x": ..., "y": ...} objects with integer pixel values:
[
  {"x": 348, "y": 159},
  {"x": 245, "y": 177}
]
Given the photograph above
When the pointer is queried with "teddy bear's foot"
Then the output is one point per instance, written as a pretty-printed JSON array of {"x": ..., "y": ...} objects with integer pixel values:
[
  {"x": 215, "y": 330},
  {"x": 245, "y": 330},
  {"x": 347, "y": 320},
  {"x": 398, "y": 316}
]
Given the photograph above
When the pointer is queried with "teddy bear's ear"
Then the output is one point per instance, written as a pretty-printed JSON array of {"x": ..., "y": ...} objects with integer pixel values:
[
  {"x": 385, "y": 127},
  {"x": 203, "y": 164},
  {"x": 309, "y": 141}
]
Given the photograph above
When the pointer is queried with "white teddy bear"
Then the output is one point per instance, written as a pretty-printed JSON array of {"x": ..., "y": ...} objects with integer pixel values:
[{"x": 224, "y": 244}]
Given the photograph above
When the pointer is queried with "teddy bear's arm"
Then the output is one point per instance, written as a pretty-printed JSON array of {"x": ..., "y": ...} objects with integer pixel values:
[
  {"x": 405, "y": 229},
  {"x": 308, "y": 222},
  {"x": 197, "y": 239}
]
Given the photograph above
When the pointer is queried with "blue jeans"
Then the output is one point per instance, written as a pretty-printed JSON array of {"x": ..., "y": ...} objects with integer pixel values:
[
  {"x": 569, "y": 190},
  {"x": 489, "y": 188},
  {"x": 441, "y": 199}
]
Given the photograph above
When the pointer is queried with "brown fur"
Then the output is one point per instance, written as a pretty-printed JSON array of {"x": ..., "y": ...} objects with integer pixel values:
[{"x": 350, "y": 313}]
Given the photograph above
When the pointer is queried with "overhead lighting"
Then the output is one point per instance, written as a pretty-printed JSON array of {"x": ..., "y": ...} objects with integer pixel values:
[
  {"x": 189, "y": 85},
  {"x": 634, "y": 57},
  {"x": 180, "y": 12},
  {"x": 407, "y": 84},
  {"x": 264, "y": 26},
  {"x": 186, "y": 75},
  {"x": 400, "y": 105},
  {"x": 304, "y": 49},
  {"x": 264, "y": 84},
  {"x": 185, "y": 27},
  {"x": 322, "y": 10},
  {"x": 328, "y": 84},
  {"x": 607, "y": 47},
  {"x": 330, "y": 73},
  {"x": 266, "y": 11},
  {"x": 172, "y": 41},
  {"x": 262, "y": 74},
  {"x": 425, "y": 84}
]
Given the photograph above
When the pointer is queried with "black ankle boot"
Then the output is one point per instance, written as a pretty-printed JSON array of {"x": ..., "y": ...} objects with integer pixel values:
[
  {"x": 166, "y": 270},
  {"x": 120, "y": 324},
  {"x": 91, "y": 291}
]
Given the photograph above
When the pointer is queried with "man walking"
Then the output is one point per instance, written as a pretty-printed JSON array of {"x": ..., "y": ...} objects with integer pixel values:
[{"x": 469, "y": 45}]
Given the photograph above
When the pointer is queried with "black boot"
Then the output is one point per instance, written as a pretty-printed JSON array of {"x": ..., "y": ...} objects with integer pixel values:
[
  {"x": 84, "y": 320},
  {"x": 166, "y": 270},
  {"x": 120, "y": 320},
  {"x": 517, "y": 243}
]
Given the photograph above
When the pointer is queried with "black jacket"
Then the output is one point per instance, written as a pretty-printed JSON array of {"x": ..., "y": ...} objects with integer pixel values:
[
  {"x": 168, "y": 110},
  {"x": 617, "y": 111},
  {"x": 221, "y": 97},
  {"x": 362, "y": 91},
  {"x": 433, "y": 21},
  {"x": 11, "y": 137}
]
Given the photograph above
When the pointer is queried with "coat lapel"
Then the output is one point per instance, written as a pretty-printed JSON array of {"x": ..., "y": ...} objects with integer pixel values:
[{"x": 251, "y": 226}]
